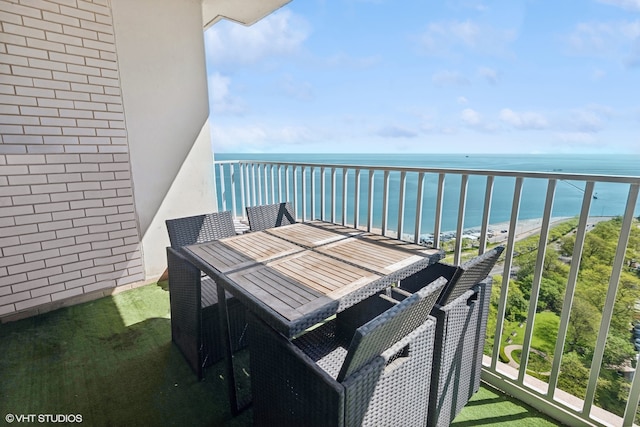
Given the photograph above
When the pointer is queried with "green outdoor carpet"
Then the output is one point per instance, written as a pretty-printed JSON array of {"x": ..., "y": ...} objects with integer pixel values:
[
  {"x": 112, "y": 362},
  {"x": 489, "y": 407}
]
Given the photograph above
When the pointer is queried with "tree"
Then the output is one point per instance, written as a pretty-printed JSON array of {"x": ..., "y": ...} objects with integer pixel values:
[
  {"x": 600, "y": 248},
  {"x": 566, "y": 245},
  {"x": 574, "y": 375},
  {"x": 617, "y": 350},
  {"x": 517, "y": 306},
  {"x": 593, "y": 281},
  {"x": 583, "y": 324},
  {"x": 552, "y": 285},
  {"x": 551, "y": 295},
  {"x": 626, "y": 299}
]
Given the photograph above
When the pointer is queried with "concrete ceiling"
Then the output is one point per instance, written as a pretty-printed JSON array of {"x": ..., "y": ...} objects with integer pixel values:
[{"x": 245, "y": 12}]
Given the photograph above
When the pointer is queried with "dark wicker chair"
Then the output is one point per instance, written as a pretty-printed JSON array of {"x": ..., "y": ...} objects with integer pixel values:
[
  {"x": 195, "y": 325},
  {"x": 370, "y": 365},
  {"x": 200, "y": 228},
  {"x": 269, "y": 216},
  {"x": 461, "y": 323}
]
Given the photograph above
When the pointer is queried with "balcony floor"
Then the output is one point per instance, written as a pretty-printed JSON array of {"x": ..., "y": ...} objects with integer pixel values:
[{"x": 112, "y": 361}]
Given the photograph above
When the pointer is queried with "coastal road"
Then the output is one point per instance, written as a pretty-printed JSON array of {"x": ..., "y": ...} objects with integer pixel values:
[{"x": 531, "y": 227}]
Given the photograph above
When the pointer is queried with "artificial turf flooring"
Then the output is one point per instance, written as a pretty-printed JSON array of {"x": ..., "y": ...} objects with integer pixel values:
[{"x": 112, "y": 362}]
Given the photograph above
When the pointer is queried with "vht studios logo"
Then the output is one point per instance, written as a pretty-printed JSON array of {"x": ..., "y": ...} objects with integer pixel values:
[{"x": 43, "y": 418}]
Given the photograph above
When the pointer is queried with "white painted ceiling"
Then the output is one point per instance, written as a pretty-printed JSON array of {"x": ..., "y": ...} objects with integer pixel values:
[{"x": 245, "y": 12}]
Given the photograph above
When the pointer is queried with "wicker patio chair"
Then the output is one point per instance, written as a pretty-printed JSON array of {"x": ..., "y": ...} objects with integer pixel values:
[
  {"x": 461, "y": 323},
  {"x": 370, "y": 365},
  {"x": 195, "y": 325},
  {"x": 200, "y": 228},
  {"x": 269, "y": 216}
]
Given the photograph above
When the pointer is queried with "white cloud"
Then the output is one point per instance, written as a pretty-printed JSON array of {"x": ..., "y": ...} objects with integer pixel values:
[
  {"x": 633, "y": 5},
  {"x": 393, "y": 131},
  {"x": 345, "y": 60},
  {"x": 523, "y": 120},
  {"x": 474, "y": 120},
  {"x": 580, "y": 138},
  {"x": 633, "y": 60},
  {"x": 259, "y": 137},
  {"x": 462, "y": 100},
  {"x": 590, "y": 119},
  {"x": 607, "y": 39},
  {"x": 489, "y": 74},
  {"x": 220, "y": 98},
  {"x": 444, "y": 38},
  {"x": 229, "y": 137},
  {"x": 294, "y": 134},
  {"x": 279, "y": 34},
  {"x": 587, "y": 121},
  {"x": 296, "y": 89},
  {"x": 604, "y": 110},
  {"x": 471, "y": 117},
  {"x": 590, "y": 37},
  {"x": 449, "y": 78}
]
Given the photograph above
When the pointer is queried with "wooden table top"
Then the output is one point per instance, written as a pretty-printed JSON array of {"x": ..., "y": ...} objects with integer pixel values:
[
  {"x": 314, "y": 233},
  {"x": 297, "y": 275},
  {"x": 297, "y": 285},
  {"x": 244, "y": 250}
]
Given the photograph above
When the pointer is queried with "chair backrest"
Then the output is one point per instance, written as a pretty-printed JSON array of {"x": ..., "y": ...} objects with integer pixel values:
[
  {"x": 200, "y": 228},
  {"x": 469, "y": 274},
  {"x": 386, "y": 329},
  {"x": 269, "y": 216}
]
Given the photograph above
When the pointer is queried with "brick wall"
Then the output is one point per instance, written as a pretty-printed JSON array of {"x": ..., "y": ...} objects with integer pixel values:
[{"x": 67, "y": 221}]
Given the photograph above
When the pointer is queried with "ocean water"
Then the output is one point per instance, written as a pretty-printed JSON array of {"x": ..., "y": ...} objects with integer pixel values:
[{"x": 609, "y": 198}]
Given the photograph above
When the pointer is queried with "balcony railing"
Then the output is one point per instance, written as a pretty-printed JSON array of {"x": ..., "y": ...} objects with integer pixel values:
[{"x": 434, "y": 206}]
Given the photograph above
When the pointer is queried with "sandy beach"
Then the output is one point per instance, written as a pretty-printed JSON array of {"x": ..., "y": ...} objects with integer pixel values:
[
  {"x": 528, "y": 227},
  {"x": 499, "y": 232}
]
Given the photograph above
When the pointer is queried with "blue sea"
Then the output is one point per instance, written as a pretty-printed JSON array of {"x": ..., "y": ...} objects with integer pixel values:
[{"x": 609, "y": 198}]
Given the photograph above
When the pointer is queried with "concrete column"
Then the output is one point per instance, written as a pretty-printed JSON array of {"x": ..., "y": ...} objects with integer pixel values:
[{"x": 161, "y": 56}]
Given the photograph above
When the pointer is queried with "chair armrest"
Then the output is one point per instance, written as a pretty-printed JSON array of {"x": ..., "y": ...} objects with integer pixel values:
[
  {"x": 399, "y": 294},
  {"x": 422, "y": 278}
]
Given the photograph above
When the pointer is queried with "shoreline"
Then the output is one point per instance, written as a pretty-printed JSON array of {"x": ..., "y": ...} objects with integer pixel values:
[{"x": 499, "y": 232}]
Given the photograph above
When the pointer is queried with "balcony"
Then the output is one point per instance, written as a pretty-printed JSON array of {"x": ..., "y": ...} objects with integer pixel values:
[
  {"x": 112, "y": 360},
  {"x": 565, "y": 296}
]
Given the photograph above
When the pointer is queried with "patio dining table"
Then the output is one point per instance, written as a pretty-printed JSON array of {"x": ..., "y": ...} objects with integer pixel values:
[{"x": 295, "y": 276}]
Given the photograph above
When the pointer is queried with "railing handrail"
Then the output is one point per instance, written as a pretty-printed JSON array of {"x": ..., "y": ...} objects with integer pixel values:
[{"x": 626, "y": 179}]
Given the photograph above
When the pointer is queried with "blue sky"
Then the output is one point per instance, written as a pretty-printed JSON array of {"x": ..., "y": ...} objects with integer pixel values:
[{"x": 455, "y": 76}]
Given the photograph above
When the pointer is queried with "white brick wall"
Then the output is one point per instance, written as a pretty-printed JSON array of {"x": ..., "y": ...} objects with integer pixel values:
[{"x": 67, "y": 223}]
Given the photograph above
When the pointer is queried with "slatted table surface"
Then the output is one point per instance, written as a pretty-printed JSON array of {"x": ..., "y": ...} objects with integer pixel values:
[
  {"x": 299, "y": 287},
  {"x": 377, "y": 253},
  {"x": 314, "y": 233},
  {"x": 297, "y": 275},
  {"x": 244, "y": 250}
]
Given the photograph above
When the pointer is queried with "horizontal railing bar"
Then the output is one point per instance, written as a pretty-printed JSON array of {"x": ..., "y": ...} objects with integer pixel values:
[{"x": 481, "y": 172}]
